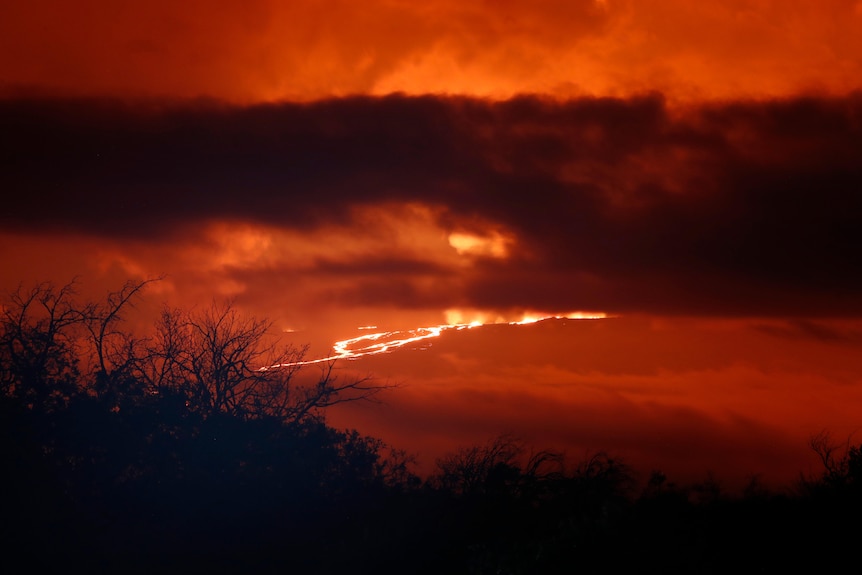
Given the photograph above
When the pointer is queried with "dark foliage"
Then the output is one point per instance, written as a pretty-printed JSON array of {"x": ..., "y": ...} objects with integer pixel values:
[{"x": 107, "y": 472}]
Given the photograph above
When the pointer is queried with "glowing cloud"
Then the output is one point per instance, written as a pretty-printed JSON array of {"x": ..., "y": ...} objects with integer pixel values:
[
  {"x": 306, "y": 49},
  {"x": 493, "y": 245}
]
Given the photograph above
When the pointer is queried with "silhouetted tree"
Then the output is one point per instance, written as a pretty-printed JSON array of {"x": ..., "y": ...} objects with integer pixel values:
[
  {"x": 477, "y": 468},
  {"x": 223, "y": 362},
  {"x": 841, "y": 465},
  {"x": 38, "y": 359},
  {"x": 500, "y": 465},
  {"x": 53, "y": 346},
  {"x": 115, "y": 351}
]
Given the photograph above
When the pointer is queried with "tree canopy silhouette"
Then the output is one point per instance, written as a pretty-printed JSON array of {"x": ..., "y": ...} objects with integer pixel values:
[
  {"x": 202, "y": 446},
  {"x": 216, "y": 359},
  {"x": 223, "y": 362}
]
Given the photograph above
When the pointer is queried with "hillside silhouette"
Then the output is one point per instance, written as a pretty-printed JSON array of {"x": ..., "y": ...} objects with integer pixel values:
[{"x": 174, "y": 452}]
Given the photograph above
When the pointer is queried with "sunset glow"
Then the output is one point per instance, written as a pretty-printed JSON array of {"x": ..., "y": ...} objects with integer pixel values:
[{"x": 430, "y": 185}]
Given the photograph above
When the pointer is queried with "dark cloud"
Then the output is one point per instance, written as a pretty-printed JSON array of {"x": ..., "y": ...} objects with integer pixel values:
[{"x": 616, "y": 204}]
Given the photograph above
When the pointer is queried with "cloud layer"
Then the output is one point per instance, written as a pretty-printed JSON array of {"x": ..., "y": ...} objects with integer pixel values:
[
  {"x": 619, "y": 205},
  {"x": 309, "y": 49}
]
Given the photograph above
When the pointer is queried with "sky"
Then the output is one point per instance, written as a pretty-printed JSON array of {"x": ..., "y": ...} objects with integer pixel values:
[{"x": 689, "y": 171}]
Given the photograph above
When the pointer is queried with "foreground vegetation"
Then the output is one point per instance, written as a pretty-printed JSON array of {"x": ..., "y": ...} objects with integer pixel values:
[{"x": 176, "y": 453}]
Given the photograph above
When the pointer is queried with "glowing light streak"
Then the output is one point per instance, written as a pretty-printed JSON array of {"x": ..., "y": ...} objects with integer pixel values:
[{"x": 388, "y": 341}]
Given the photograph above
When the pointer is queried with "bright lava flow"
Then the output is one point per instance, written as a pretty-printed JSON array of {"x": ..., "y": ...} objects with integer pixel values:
[{"x": 388, "y": 341}]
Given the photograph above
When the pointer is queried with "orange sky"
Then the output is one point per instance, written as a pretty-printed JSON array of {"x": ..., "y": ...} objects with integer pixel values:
[
  {"x": 691, "y": 168},
  {"x": 687, "y": 396},
  {"x": 306, "y": 49}
]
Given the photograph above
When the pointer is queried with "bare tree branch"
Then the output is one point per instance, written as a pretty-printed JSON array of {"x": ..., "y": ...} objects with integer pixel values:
[
  {"x": 37, "y": 340},
  {"x": 224, "y": 362},
  {"x": 116, "y": 351}
]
